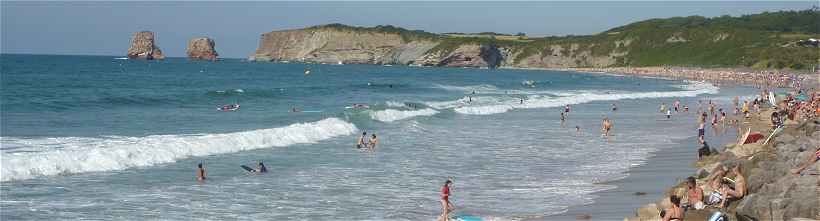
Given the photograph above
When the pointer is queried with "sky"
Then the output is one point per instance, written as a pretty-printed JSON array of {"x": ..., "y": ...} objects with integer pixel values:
[{"x": 105, "y": 27}]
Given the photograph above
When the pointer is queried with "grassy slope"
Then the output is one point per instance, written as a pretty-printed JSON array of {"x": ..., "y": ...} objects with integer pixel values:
[{"x": 751, "y": 40}]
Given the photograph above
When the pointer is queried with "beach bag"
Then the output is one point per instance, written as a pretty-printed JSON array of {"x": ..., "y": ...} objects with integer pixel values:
[
  {"x": 714, "y": 198},
  {"x": 718, "y": 216}
]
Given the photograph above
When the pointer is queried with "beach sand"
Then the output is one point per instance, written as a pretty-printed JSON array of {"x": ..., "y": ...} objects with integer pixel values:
[{"x": 667, "y": 167}]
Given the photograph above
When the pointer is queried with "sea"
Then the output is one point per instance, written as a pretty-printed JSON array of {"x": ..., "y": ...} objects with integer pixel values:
[{"x": 102, "y": 138}]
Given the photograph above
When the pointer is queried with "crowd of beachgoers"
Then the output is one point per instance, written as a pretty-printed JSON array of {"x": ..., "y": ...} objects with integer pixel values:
[
  {"x": 778, "y": 145},
  {"x": 757, "y": 78}
]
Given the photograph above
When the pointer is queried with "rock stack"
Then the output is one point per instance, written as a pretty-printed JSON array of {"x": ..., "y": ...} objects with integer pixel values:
[
  {"x": 143, "y": 47},
  {"x": 201, "y": 49}
]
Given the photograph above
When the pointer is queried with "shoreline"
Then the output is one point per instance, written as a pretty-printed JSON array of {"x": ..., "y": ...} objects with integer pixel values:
[{"x": 647, "y": 187}]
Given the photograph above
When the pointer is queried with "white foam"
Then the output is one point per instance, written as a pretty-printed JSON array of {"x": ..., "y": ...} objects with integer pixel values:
[
  {"x": 391, "y": 115},
  {"x": 539, "y": 101},
  {"x": 30, "y": 158},
  {"x": 394, "y": 104},
  {"x": 468, "y": 88}
]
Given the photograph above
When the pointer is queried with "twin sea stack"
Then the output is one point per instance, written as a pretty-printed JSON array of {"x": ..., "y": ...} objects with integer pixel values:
[{"x": 144, "y": 47}]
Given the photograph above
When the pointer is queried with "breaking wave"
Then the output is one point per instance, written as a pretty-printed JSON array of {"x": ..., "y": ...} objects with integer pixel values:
[
  {"x": 29, "y": 158},
  {"x": 488, "y": 105},
  {"x": 391, "y": 115}
]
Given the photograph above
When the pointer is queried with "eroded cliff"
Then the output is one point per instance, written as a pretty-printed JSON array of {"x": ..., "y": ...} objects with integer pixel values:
[
  {"x": 143, "y": 47},
  {"x": 201, "y": 49}
]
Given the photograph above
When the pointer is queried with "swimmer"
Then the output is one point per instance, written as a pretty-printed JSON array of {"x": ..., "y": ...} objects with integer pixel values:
[
  {"x": 614, "y": 107},
  {"x": 362, "y": 142},
  {"x": 577, "y": 130},
  {"x": 200, "y": 173},
  {"x": 373, "y": 142},
  {"x": 668, "y": 114},
  {"x": 606, "y": 126}
]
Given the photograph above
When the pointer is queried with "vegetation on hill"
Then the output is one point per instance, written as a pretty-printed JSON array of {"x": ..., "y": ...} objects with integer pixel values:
[{"x": 765, "y": 40}]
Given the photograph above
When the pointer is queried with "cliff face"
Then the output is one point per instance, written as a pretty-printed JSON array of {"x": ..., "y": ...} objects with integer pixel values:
[
  {"x": 328, "y": 45},
  {"x": 333, "y": 46},
  {"x": 143, "y": 47},
  {"x": 201, "y": 49}
]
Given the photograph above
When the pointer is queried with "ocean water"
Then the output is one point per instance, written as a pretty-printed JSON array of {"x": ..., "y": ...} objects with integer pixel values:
[{"x": 93, "y": 137}]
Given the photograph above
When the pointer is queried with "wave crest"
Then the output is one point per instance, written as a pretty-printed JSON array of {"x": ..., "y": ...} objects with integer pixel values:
[
  {"x": 37, "y": 157},
  {"x": 390, "y": 115}
]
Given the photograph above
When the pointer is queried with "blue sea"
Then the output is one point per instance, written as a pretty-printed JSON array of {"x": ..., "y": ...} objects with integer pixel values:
[{"x": 94, "y": 137}]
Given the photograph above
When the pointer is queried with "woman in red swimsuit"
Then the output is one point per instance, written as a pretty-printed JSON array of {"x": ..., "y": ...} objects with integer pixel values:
[{"x": 446, "y": 206}]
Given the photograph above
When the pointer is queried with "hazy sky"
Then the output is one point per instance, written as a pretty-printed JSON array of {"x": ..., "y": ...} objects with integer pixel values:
[{"x": 105, "y": 28}]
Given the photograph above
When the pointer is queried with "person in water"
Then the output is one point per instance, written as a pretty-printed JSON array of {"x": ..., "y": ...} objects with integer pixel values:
[
  {"x": 200, "y": 173},
  {"x": 446, "y": 206},
  {"x": 362, "y": 142},
  {"x": 606, "y": 127},
  {"x": 668, "y": 114},
  {"x": 260, "y": 168},
  {"x": 563, "y": 118},
  {"x": 373, "y": 142},
  {"x": 614, "y": 107}
]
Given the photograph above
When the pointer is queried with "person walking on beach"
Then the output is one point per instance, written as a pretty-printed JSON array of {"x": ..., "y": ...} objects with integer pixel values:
[
  {"x": 446, "y": 206},
  {"x": 200, "y": 173}
]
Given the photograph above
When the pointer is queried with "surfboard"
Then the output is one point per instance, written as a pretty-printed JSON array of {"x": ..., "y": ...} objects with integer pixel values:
[
  {"x": 247, "y": 168},
  {"x": 775, "y": 132},
  {"x": 744, "y": 137},
  {"x": 772, "y": 99},
  {"x": 466, "y": 217}
]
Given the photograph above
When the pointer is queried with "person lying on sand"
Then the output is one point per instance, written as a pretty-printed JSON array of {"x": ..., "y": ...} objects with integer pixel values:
[{"x": 810, "y": 161}]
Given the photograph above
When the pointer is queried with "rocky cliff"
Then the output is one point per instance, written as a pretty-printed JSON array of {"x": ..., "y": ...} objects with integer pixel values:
[
  {"x": 764, "y": 40},
  {"x": 143, "y": 47},
  {"x": 201, "y": 49},
  {"x": 356, "y": 45}
]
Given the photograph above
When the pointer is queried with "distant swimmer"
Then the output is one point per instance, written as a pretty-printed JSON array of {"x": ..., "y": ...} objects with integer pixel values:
[
  {"x": 566, "y": 108},
  {"x": 606, "y": 127},
  {"x": 200, "y": 173},
  {"x": 373, "y": 142},
  {"x": 362, "y": 142},
  {"x": 577, "y": 130},
  {"x": 668, "y": 114},
  {"x": 260, "y": 168},
  {"x": 663, "y": 107},
  {"x": 294, "y": 110},
  {"x": 522, "y": 101},
  {"x": 614, "y": 107},
  {"x": 685, "y": 108},
  {"x": 677, "y": 105}
]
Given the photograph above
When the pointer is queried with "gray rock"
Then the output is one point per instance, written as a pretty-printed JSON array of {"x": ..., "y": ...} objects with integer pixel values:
[{"x": 701, "y": 173}]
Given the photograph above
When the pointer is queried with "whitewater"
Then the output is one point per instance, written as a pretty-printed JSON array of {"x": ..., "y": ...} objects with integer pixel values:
[{"x": 88, "y": 137}]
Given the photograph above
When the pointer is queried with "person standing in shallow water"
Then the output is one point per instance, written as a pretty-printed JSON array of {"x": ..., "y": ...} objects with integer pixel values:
[
  {"x": 446, "y": 206},
  {"x": 200, "y": 173}
]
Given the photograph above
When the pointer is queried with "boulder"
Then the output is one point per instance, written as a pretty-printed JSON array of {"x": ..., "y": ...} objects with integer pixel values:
[
  {"x": 649, "y": 212},
  {"x": 201, "y": 49},
  {"x": 143, "y": 47}
]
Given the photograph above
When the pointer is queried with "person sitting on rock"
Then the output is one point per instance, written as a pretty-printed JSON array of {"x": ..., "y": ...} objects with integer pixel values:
[
  {"x": 812, "y": 159},
  {"x": 694, "y": 194},
  {"x": 734, "y": 193},
  {"x": 704, "y": 148},
  {"x": 674, "y": 213}
]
